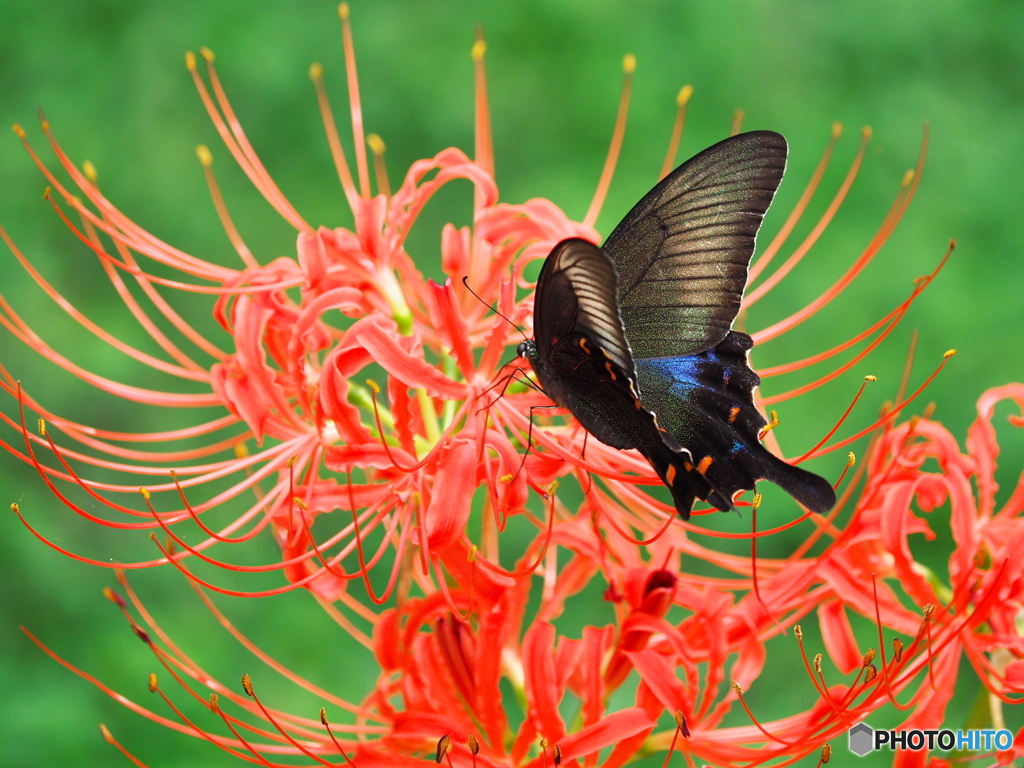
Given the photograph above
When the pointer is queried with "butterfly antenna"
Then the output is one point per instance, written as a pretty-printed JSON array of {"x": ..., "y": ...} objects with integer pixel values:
[{"x": 465, "y": 282}]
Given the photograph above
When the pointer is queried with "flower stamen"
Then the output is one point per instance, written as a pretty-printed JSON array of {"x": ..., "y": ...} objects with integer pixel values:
[
  {"x": 682, "y": 99},
  {"x": 628, "y": 68},
  {"x": 355, "y": 105},
  {"x": 316, "y": 74}
]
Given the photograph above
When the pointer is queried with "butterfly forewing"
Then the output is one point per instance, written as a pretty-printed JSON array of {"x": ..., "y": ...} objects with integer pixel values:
[
  {"x": 682, "y": 253},
  {"x": 576, "y": 292}
]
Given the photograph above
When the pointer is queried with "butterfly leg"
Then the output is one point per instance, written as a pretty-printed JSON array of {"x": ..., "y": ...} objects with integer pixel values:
[{"x": 529, "y": 438}]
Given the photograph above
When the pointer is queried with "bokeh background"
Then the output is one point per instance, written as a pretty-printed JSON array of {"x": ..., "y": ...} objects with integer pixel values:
[{"x": 111, "y": 78}]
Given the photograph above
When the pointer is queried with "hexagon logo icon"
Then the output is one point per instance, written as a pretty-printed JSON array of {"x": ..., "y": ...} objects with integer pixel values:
[{"x": 861, "y": 739}]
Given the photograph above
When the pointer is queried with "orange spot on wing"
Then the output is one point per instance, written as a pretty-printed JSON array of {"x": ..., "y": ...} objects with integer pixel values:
[
  {"x": 611, "y": 370},
  {"x": 705, "y": 464},
  {"x": 670, "y": 475},
  {"x": 583, "y": 346},
  {"x": 733, "y": 413}
]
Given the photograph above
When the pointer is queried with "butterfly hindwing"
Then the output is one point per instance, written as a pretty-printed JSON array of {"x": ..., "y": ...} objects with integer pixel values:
[
  {"x": 682, "y": 253},
  {"x": 707, "y": 399}
]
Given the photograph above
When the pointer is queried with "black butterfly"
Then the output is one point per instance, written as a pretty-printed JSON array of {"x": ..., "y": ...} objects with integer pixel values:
[{"x": 635, "y": 337}]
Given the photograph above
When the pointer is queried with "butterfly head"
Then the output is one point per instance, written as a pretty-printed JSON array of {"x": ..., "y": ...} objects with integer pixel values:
[{"x": 527, "y": 349}]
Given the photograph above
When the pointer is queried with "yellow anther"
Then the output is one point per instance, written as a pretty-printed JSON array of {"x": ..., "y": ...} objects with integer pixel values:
[
  {"x": 373, "y": 386},
  {"x": 41, "y": 425},
  {"x": 949, "y": 353},
  {"x": 865, "y": 133},
  {"x": 204, "y": 155},
  {"x": 870, "y": 377},
  {"x": 736, "y": 687},
  {"x": 376, "y": 144},
  {"x": 190, "y": 61},
  {"x": 479, "y": 49},
  {"x": 19, "y": 131},
  {"x": 908, "y": 177},
  {"x": 145, "y": 493},
  {"x": 106, "y": 734},
  {"x": 90, "y": 171},
  {"x": 247, "y": 685},
  {"x": 214, "y": 703},
  {"x": 316, "y": 71},
  {"x": 756, "y": 501},
  {"x": 343, "y": 11},
  {"x": 684, "y": 95},
  {"x": 837, "y": 130},
  {"x": 207, "y": 54},
  {"x": 851, "y": 459},
  {"x": 15, "y": 508},
  {"x": 629, "y": 63},
  {"x": 773, "y": 422},
  {"x": 152, "y": 682},
  {"x": 798, "y": 631}
]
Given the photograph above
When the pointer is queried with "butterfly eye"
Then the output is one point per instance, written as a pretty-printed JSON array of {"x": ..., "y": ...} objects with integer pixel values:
[{"x": 526, "y": 349}]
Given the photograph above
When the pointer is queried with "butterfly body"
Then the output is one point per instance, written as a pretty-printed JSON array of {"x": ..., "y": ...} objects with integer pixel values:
[{"x": 634, "y": 338}]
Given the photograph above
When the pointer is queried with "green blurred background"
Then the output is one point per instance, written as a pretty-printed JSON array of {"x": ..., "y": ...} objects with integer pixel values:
[{"x": 112, "y": 80}]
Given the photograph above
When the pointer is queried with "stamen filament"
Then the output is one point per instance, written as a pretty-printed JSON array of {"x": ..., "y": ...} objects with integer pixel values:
[
  {"x": 355, "y": 105},
  {"x": 316, "y": 72},
  {"x": 628, "y": 68}
]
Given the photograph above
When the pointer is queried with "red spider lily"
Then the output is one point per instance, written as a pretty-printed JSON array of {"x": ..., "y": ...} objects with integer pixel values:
[
  {"x": 307, "y": 334},
  {"x": 504, "y": 684},
  {"x": 468, "y": 629}
]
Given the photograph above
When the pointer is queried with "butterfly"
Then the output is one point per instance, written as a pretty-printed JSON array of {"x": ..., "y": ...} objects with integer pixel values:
[{"x": 635, "y": 337}]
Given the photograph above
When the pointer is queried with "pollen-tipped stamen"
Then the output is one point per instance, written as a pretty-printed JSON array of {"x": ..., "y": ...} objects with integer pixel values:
[
  {"x": 376, "y": 144},
  {"x": 890, "y": 415},
  {"x": 206, "y": 161},
  {"x": 109, "y": 738},
  {"x": 757, "y": 724},
  {"x": 316, "y": 72},
  {"x": 483, "y": 150},
  {"x": 234, "y": 138},
  {"x": 682, "y": 100},
  {"x": 334, "y": 739},
  {"x": 846, "y": 414},
  {"x": 355, "y": 105}
]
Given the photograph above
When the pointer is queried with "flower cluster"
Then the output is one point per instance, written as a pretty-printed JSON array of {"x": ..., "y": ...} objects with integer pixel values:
[{"x": 358, "y": 396}]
